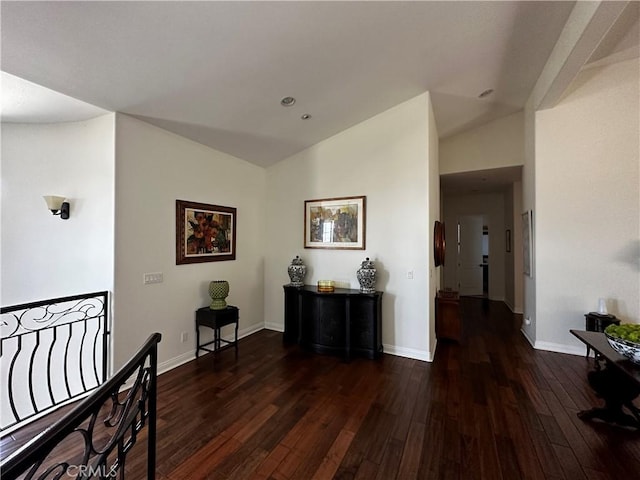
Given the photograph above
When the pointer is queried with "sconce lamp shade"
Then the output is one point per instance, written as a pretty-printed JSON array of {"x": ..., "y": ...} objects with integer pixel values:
[
  {"x": 57, "y": 205},
  {"x": 53, "y": 202}
]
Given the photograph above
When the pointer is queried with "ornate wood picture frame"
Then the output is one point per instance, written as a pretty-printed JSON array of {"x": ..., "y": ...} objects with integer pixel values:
[
  {"x": 204, "y": 232},
  {"x": 439, "y": 244},
  {"x": 337, "y": 223}
]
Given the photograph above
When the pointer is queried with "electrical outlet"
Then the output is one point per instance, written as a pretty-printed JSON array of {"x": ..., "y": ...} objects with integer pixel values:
[
  {"x": 184, "y": 336},
  {"x": 410, "y": 274},
  {"x": 152, "y": 278}
]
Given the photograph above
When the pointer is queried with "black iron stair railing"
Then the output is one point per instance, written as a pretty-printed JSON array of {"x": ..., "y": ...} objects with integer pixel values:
[
  {"x": 93, "y": 439},
  {"x": 51, "y": 352}
]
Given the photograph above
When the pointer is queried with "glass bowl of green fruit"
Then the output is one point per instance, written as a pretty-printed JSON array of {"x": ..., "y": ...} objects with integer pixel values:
[{"x": 625, "y": 339}]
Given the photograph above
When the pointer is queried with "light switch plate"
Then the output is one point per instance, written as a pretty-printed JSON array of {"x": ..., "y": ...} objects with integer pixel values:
[{"x": 153, "y": 278}]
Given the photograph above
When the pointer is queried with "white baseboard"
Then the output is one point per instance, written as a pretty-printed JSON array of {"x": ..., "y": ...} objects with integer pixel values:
[
  {"x": 245, "y": 332},
  {"x": 556, "y": 347},
  {"x": 513, "y": 309},
  {"x": 408, "y": 353},
  {"x": 561, "y": 348},
  {"x": 183, "y": 358},
  {"x": 390, "y": 349},
  {"x": 527, "y": 337},
  {"x": 174, "y": 362},
  {"x": 278, "y": 327}
]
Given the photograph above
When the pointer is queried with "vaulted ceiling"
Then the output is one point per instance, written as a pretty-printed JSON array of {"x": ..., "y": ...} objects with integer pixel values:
[{"x": 215, "y": 72}]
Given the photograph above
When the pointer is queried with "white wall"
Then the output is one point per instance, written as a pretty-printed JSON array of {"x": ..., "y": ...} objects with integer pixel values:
[
  {"x": 514, "y": 282},
  {"x": 496, "y": 144},
  {"x": 588, "y": 203},
  {"x": 528, "y": 203},
  {"x": 43, "y": 256},
  {"x": 153, "y": 169},
  {"x": 385, "y": 158},
  {"x": 491, "y": 206},
  {"x": 509, "y": 284},
  {"x": 434, "y": 214}
]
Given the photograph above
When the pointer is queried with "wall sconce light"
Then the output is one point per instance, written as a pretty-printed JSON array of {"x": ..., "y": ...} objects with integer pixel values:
[{"x": 58, "y": 206}]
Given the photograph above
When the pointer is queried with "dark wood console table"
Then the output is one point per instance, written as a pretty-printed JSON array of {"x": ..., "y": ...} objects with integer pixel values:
[
  {"x": 344, "y": 322},
  {"x": 618, "y": 384}
]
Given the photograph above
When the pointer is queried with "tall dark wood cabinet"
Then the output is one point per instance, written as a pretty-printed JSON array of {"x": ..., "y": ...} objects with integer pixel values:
[
  {"x": 344, "y": 322},
  {"x": 448, "y": 324}
]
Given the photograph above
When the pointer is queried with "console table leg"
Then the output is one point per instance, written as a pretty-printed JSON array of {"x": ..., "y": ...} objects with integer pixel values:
[
  {"x": 236, "y": 342},
  {"x": 610, "y": 415},
  {"x": 616, "y": 391},
  {"x": 197, "y": 341}
]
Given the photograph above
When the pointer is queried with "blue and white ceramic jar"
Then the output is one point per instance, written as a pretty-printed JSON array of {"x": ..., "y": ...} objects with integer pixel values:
[
  {"x": 297, "y": 270},
  {"x": 367, "y": 276}
]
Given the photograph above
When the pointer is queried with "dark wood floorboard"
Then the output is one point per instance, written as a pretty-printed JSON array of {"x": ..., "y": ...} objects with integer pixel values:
[{"x": 489, "y": 407}]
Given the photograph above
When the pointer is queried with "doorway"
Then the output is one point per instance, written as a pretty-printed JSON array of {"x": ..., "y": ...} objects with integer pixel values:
[{"x": 470, "y": 267}]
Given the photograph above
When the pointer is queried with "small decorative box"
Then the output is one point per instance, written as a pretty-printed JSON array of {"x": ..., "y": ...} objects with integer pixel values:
[{"x": 326, "y": 285}]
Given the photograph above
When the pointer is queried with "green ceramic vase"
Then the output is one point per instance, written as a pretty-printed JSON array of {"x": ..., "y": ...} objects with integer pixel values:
[{"x": 218, "y": 291}]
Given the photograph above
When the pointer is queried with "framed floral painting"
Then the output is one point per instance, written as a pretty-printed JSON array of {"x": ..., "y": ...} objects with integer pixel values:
[{"x": 204, "y": 233}]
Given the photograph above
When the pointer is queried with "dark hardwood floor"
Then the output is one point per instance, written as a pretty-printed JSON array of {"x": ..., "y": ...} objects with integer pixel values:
[{"x": 490, "y": 407}]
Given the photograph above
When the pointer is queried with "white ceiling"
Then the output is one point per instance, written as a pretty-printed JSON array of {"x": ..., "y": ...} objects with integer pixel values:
[
  {"x": 215, "y": 71},
  {"x": 480, "y": 181},
  {"x": 26, "y": 102}
]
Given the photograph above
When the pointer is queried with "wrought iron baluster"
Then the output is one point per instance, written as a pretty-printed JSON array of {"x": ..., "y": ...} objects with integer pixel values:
[
  {"x": 12, "y": 402},
  {"x": 24, "y": 327},
  {"x": 81, "y": 356},
  {"x": 66, "y": 362},
  {"x": 95, "y": 359},
  {"x": 49, "y": 358},
  {"x": 30, "y": 375}
]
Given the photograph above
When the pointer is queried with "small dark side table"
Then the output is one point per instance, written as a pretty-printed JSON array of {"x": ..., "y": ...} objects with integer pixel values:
[
  {"x": 215, "y": 319},
  {"x": 597, "y": 322},
  {"x": 618, "y": 384}
]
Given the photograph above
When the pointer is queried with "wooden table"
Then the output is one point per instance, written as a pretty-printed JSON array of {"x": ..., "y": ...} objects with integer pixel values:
[
  {"x": 344, "y": 322},
  {"x": 618, "y": 384}
]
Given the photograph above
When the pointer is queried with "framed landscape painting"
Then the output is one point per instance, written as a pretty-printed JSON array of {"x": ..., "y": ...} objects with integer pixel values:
[
  {"x": 204, "y": 233},
  {"x": 335, "y": 223}
]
